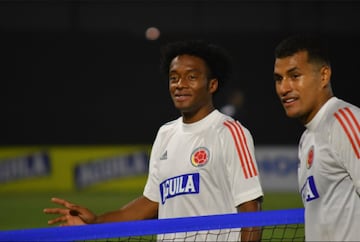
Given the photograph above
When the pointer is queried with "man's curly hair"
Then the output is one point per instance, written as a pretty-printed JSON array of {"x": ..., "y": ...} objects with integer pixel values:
[{"x": 217, "y": 59}]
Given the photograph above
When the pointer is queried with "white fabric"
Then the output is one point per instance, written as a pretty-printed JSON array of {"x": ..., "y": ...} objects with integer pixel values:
[
  {"x": 329, "y": 173},
  {"x": 184, "y": 188}
]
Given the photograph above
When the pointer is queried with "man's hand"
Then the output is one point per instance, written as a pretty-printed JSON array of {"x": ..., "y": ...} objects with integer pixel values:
[{"x": 70, "y": 215}]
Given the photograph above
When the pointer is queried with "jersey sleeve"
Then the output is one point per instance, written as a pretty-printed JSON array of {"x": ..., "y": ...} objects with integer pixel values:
[
  {"x": 151, "y": 190},
  {"x": 346, "y": 141},
  {"x": 242, "y": 168}
]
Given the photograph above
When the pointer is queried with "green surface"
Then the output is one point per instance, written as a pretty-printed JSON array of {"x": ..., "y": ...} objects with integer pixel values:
[{"x": 24, "y": 210}]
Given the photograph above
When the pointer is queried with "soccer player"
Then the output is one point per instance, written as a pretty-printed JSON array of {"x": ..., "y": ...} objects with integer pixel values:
[
  {"x": 202, "y": 163},
  {"x": 329, "y": 149}
]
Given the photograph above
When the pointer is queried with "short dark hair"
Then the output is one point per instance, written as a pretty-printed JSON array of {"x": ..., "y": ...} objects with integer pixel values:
[
  {"x": 315, "y": 45},
  {"x": 216, "y": 58}
]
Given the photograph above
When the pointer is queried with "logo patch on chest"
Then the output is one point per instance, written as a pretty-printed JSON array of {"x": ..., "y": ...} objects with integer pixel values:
[
  {"x": 199, "y": 157},
  {"x": 180, "y": 185},
  {"x": 310, "y": 157}
]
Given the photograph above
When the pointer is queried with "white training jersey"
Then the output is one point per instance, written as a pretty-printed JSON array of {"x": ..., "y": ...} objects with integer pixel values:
[
  {"x": 203, "y": 168},
  {"x": 329, "y": 173}
]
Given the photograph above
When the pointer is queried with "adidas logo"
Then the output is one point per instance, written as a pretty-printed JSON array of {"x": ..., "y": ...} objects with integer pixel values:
[{"x": 164, "y": 156}]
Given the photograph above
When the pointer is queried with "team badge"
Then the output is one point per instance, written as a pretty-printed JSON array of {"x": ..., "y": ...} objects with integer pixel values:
[
  {"x": 200, "y": 157},
  {"x": 310, "y": 157}
]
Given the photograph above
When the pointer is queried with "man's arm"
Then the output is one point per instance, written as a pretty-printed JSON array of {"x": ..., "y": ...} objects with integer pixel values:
[
  {"x": 138, "y": 209},
  {"x": 251, "y": 233},
  {"x": 72, "y": 214}
]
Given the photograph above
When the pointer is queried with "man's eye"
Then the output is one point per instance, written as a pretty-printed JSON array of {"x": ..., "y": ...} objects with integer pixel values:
[
  {"x": 173, "y": 78},
  {"x": 295, "y": 76},
  {"x": 277, "y": 78},
  {"x": 192, "y": 77}
]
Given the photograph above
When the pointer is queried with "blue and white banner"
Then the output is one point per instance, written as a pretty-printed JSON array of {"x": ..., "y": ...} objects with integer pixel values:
[{"x": 278, "y": 167}]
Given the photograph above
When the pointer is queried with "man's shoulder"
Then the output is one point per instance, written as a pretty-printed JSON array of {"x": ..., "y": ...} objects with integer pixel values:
[
  {"x": 169, "y": 125},
  {"x": 228, "y": 125},
  {"x": 340, "y": 112}
]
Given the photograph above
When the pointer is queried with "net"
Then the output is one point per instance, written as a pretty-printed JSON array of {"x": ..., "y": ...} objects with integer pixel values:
[{"x": 276, "y": 225}]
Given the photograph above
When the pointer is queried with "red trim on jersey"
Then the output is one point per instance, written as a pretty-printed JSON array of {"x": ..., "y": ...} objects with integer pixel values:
[
  {"x": 247, "y": 149},
  {"x": 351, "y": 124},
  {"x": 353, "y": 118},
  {"x": 346, "y": 123},
  {"x": 242, "y": 149}
]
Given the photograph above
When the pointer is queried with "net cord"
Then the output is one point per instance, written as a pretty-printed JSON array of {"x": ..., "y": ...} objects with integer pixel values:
[{"x": 156, "y": 226}]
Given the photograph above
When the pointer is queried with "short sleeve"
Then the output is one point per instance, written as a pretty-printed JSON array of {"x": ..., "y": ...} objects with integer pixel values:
[
  {"x": 241, "y": 164},
  {"x": 345, "y": 140},
  {"x": 151, "y": 190}
]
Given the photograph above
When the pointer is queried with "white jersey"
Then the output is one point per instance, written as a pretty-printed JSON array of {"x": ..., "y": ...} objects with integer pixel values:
[
  {"x": 203, "y": 168},
  {"x": 329, "y": 173}
]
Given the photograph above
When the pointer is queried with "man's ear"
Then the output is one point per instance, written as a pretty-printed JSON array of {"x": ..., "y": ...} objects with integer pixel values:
[
  {"x": 325, "y": 73},
  {"x": 213, "y": 85}
]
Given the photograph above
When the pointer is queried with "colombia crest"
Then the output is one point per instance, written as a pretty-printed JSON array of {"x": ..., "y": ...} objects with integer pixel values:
[
  {"x": 199, "y": 157},
  {"x": 310, "y": 157}
]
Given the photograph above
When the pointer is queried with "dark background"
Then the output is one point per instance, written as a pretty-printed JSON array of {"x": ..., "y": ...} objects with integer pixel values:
[{"x": 82, "y": 72}]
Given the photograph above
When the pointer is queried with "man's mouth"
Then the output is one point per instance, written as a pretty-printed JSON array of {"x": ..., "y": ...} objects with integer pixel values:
[
  {"x": 288, "y": 100},
  {"x": 181, "y": 97}
]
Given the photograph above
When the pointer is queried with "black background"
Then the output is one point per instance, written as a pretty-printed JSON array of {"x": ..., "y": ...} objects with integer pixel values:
[{"x": 82, "y": 72}]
